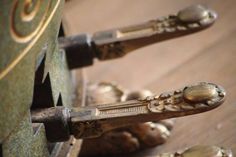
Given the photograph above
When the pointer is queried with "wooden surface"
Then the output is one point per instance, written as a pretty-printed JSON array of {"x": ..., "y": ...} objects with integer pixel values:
[{"x": 206, "y": 56}]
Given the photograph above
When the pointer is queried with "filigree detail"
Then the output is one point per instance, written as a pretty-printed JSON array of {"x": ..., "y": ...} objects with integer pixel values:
[
  {"x": 189, "y": 100},
  {"x": 87, "y": 129},
  {"x": 179, "y": 100}
]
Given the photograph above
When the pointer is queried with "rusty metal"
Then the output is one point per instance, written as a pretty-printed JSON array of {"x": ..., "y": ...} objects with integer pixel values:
[{"x": 55, "y": 121}]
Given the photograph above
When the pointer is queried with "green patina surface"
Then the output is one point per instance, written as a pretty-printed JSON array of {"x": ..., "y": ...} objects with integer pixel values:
[
  {"x": 28, "y": 30},
  {"x": 24, "y": 142}
]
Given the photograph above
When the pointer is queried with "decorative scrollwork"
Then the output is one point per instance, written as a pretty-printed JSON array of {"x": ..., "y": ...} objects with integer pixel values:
[
  {"x": 201, "y": 95},
  {"x": 87, "y": 129},
  {"x": 26, "y": 14},
  {"x": 27, "y": 23}
]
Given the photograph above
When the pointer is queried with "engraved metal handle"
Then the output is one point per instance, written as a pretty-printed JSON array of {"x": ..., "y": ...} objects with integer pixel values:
[
  {"x": 116, "y": 43},
  {"x": 87, "y": 122},
  {"x": 93, "y": 121}
]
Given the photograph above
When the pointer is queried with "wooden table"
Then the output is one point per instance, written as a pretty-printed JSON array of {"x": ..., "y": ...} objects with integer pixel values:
[{"x": 206, "y": 56}]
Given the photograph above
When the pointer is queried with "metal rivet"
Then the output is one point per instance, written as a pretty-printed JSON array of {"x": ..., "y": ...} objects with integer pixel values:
[
  {"x": 194, "y": 13},
  {"x": 177, "y": 91},
  {"x": 200, "y": 93},
  {"x": 165, "y": 95},
  {"x": 221, "y": 94}
]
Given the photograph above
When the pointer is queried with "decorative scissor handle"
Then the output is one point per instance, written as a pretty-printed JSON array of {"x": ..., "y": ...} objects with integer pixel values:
[
  {"x": 93, "y": 121},
  {"x": 115, "y": 43}
]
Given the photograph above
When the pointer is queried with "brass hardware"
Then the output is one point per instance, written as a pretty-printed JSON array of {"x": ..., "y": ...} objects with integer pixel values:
[
  {"x": 92, "y": 121},
  {"x": 118, "y": 42},
  {"x": 126, "y": 139},
  {"x": 201, "y": 151},
  {"x": 32, "y": 62},
  {"x": 200, "y": 93},
  {"x": 194, "y": 14}
]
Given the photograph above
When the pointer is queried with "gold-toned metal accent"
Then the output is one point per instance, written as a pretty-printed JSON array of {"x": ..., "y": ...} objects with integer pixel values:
[
  {"x": 203, "y": 151},
  {"x": 200, "y": 151},
  {"x": 200, "y": 93},
  {"x": 31, "y": 44},
  {"x": 141, "y": 135},
  {"x": 89, "y": 122},
  {"x": 26, "y": 17},
  {"x": 118, "y": 42},
  {"x": 94, "y": 120},
  {"x": 206, "y": 151},
  {"x": 193, "y": 13},
  {"x": 115, "y": 43}
]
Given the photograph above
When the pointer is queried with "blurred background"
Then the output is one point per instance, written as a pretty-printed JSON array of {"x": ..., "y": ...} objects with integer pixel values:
[{"x": 206, "y": 56}]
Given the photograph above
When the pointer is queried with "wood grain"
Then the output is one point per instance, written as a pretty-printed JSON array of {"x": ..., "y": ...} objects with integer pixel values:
[{"x": 206, "y": 56}]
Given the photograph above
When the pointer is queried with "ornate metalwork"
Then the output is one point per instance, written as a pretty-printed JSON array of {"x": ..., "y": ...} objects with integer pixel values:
[
  {"x": 168, "y": 105},
  {"x": 129, "y": 138},
  {"x": 200, "y": 151},
  {"x": 92, "y": 121},
  {"x": 118, "y": 42},
  {"x": 29, "y": 31},
  {"x": 22, "y": 17}
]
